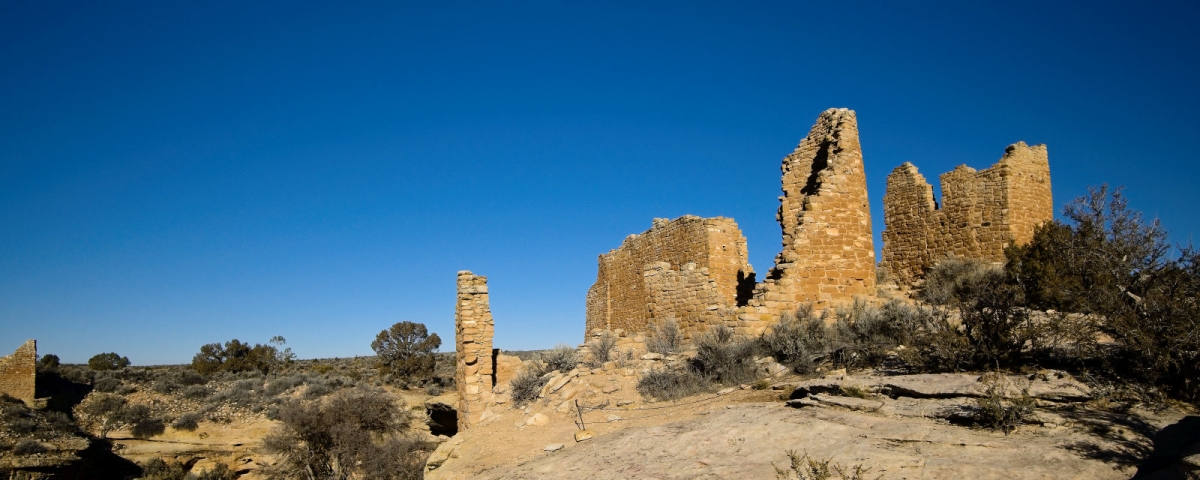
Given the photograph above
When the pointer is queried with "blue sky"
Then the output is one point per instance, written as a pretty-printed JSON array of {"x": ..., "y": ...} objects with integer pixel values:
[{"x": 174, "y": 174}]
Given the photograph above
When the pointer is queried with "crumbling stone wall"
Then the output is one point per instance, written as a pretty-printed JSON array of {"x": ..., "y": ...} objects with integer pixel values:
[
  {"x": 982, "y": 212},
  {"x": 18, "y": 372},
  {"x": 684, "y": 268},
  {"x": 828, "y": 252},
  {"x": 475, "y": 372}
]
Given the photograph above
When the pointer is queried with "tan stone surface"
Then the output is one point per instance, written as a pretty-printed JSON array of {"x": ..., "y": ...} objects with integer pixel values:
[
  {"x": 828, "y": 254},
  {"x": 475, "y": 371},
  {"x": 982, "y": 212},
  {"x": 687, "y": 268},
  {"x": 18, "y": 372}
]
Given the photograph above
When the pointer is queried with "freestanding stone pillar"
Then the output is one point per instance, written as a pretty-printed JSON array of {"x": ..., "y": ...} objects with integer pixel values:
[{"x": 475, "y": 371}]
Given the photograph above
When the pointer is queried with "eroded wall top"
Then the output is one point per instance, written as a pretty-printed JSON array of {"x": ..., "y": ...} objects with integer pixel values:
[
  {"x": 981, "y": 212},
  {"x": 18, "y": 372}
]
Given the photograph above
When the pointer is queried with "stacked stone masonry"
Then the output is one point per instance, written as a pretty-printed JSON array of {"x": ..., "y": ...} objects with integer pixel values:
[
  {"x": 982, "y": 212},
  {"x": 676, "y": 270},
  {"x": 828, "y": 255},
  {"x": 18, "y": 373},
  {"x": 694, "y": 270},
  {"x": 475, "y": 372}
]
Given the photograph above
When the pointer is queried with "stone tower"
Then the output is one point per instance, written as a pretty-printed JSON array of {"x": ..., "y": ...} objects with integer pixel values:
[
  {"x": 981, "y": 213},
  {"x": 828, "y": 254},
  {"x": 475, "y": 372},
  {"x": 18, "y": 372}
]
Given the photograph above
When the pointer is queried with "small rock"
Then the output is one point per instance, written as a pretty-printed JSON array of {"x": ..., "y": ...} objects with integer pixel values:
[
  {"x": 726, "y": 391},
  {"x": 553, "y": 447},
  {"x": 583, "y": 435},
  {"x": 652, "y": 356},
  {"x": 622, "y": 403},
  {"x": 537, "y": 420},
  {"x": 614, "y": 418},
  {"x": 610, "y": 389}
]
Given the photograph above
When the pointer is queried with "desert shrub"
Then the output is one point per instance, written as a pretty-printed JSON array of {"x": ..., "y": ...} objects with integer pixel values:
[
  {"x": 233, "y": 396},
  {"x": 1113, "y": 266},
  {"x": 106, "y": 385},
  {"x": 798, "y": 340},
  {"x": 197, "y": 392},
  {"x": 318, "y": 390},
  {"x": 107, "y": 361},
  {"x": 147, "y": 427},
  {"x": 219, "y": 471},
  {"x": 406, "y": 351},
  {"x": 157, "y": 469},
  {"x": 343, "y": 436},
  {"x": 60, "y": 421},
  {"x": 77, "y": 374},
  {"x": 235, "y": 357},
  {"x": 433, "y": 389},
  {"x": 601, "y": 348},
  {"x": 994, "y": 412},
  {"x": 189, "y": 378},
  {"x": 664, "y": 337},
  {"x": 527, "y": 385},
  {"x": 28, "y": 447},
  {"x": 281, "y": 385},
  {"x": 103, "y": 412},
  {"x": 935, "y": 344},
  {"x": 248, "y": 385},
  {"x": 165, "y": 386},
  {"x": 865, "y": 334},
  {"x": 561, "y": 358},
  {"x": 723, "y": 359},
  {"x": 188, "y": 422},
  {"x": 21, "y": 425},
  {"x": 945, "y": 279},
  {"x": 666, "y": 384},
  {"x": 803, "y": 467}
]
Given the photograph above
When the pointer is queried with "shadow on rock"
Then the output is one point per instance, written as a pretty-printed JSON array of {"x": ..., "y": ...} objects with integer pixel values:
[
  {"x": 1126, "y": 437},
  {"x": 1171, "y": 445}
]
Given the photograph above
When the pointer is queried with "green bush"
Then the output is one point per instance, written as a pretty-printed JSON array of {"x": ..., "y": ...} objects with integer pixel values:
[
  {"x": 107, "y": 361},
  {"x": 187, "y": 422},
  {"x": 406, "y": 350},
  {"x": 235, "y": 357}
]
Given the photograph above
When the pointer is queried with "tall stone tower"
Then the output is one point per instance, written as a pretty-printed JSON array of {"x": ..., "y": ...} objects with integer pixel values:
[
  {"x": 828, "y": 254},
  {"x": 475, "y": 372}
]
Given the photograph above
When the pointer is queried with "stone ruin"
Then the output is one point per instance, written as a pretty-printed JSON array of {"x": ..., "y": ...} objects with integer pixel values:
[
  {"x": 981, "y": 213},
  {"x": 475, "y": 359},
  {"x": 18, "y": 373},
  {"x": 691, "y": 269},
  {"x": 696, "y": 270}
]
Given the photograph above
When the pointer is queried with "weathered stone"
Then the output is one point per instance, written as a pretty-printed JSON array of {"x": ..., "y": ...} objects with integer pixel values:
[
  {"x": 475, "y": 372},
  {"x": 981, "y": 213},
  {"x": 18, "y": 373},
  {"x": 583, "y": 435},
  {"x": 678, "y": 269},
  {"x": 553, "y": 447}
]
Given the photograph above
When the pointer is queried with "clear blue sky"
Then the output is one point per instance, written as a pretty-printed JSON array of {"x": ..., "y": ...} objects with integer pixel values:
[{"x": 179, "y": 173}]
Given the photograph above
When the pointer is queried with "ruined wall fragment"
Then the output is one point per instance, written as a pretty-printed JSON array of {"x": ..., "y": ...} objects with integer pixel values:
[
  {"x": 475, "y": 370},
  {"x": 685, "y": 269},
  {"x": 828, "y": 253},
  {"x": 18, "y": 372},
  {"x": 982, "y": 212}
]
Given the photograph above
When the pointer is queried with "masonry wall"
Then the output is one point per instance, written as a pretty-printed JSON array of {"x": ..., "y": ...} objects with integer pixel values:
[
  {"x": 474, "y": 328},
  {"x": 828, "y": 254},
  {"x": 679, "y": 268},
  {"x": 982, "y": 212},
  {"x": 18, "y": 372}
]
